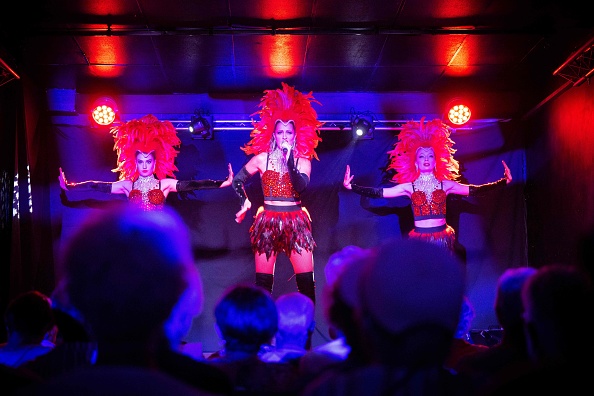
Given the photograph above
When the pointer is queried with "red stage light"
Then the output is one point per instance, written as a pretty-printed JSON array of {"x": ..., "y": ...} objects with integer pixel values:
[
  {"x": 104, "y": 111},
  {"x": 458, "y": 112}
]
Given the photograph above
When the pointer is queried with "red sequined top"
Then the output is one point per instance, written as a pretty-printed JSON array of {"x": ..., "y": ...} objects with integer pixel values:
[
  {"x": 425, "y": 209},
  {"x": 277, "y": 187},
  {"x": 147, "y": 200}
]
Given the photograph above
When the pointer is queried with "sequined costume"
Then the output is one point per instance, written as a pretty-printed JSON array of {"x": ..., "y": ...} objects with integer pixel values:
[
  {"x": 429, "y": 202},
  {"x": 278, "y": 229},
  {"x": 146, "y": 194}
]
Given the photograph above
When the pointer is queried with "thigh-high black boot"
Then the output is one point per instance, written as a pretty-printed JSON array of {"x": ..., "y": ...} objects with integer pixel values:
[
  {"x": 306, "y": 284},
  {"x": 265, "y": 281}
]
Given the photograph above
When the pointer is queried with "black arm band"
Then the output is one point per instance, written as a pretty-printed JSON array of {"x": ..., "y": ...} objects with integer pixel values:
[
  {"x": 483, "y": 189},
  {"x": 299, "y": 180},
  {"x": 191, "y": 185},
  {"x": 371, "y": 192},
  {"x": 103, "y": 187},
  {"x": 238, "y": 182}
]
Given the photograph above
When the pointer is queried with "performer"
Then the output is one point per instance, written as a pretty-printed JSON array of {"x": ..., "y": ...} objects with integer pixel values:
[
  {"x": 426, "y": 172},
  {"x": 283, "y": 143},
  {"x": 146, "y": 153}
]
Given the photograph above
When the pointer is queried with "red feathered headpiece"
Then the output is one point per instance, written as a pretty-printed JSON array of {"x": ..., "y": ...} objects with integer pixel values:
[
  {"x": 434, "y": 134},
  {"x": 146, "y": 134},
  {"x": 286, "y": 104}
]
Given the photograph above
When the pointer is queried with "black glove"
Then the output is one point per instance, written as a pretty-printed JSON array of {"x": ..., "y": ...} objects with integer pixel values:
[
  {"x": 299, "y": 180},
  {"x": 104, "y": 187},
  {"x": 238, "y": 182},
  {"x": 371, "y": 192},
  {"x": 483, "y": 189},
  {"x": 191, "y": 185}
]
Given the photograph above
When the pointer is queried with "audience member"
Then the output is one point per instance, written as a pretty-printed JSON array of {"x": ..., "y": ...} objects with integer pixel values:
[
  {"x": 407, "y": 308},
  {"x": 247, "y": 320},
  {"x": 74, "y": 348},
  {"x": 129, "y": 276},
  {"x": 558, "y": 302},
  {"x": 509, "y": 355},
  {"x": 461, "y": 346},
  {"x": 345, "y": 350},
  {"x": 295, "y": 326},
  {"x": 30, "y": 328}
]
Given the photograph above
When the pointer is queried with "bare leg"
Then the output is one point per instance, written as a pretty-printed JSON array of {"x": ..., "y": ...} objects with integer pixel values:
[
  {"x": 264, "y": 265},
  {"x": 302, "y": 262}
]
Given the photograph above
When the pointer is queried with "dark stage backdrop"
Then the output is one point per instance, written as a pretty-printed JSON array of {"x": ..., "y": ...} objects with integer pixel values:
[{"x": 492, "y": 230}]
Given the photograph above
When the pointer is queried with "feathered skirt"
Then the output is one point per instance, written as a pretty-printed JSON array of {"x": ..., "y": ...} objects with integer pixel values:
[
  {"x": 444, "y": 235},
  {"x": 278, "y": 229}
]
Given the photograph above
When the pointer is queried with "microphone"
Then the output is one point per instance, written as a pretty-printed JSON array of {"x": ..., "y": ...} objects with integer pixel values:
[{"x": 285, "y": 147}]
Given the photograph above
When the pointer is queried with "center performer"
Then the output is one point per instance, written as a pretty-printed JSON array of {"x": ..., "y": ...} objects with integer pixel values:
[{"x": 283, "y": 143}]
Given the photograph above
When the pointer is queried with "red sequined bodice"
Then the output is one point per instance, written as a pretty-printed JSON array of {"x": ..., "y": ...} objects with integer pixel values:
[
  {"x": 147, "y": 195},
  {"x": 429, "y": 209},
  {"x": 277, "y": 186}
]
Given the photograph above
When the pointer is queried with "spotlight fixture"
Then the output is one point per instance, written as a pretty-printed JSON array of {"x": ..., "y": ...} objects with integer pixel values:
[
  {"x": 362, "y": 126},
  {"x": 458, "y": 112},
  {"x": 104, "y": 111},
  {"x": 200, "y": 127}
]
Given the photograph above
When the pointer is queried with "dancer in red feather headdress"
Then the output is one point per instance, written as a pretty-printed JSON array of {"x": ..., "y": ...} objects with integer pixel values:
[
  {"x": 146, "y": 154},
  {"x": 426, "y": 173},
  {"x": 283, "y": 144}
]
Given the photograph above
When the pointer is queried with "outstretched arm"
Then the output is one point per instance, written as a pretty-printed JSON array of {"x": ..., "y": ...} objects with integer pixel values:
[
  {"x": 91, "y": 185},
  {"x": 480, "y": 190},
  {"x": 191, "y": 185},
  {"x": 373, "y": 192}
]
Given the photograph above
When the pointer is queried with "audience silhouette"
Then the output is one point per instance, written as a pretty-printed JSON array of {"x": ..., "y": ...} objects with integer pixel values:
[
  {"x": 509, "y": 355},
  {"x": 558, "y": 303},
  {"x": 247, "y": 320},
  {"x": 129, "y": 277},
  {"x": 30, "y": 328},
  {"x": 407, "y": 308},
  {"x": 295, "y": 326}
]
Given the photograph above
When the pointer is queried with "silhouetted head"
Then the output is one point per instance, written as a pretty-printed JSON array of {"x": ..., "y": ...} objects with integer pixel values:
[
  {"x": 246, "y": 318},
  {"x": 129, "y": 274}
]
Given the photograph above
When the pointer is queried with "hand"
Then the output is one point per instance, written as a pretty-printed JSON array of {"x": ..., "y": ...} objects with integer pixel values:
[
  {"x": 507, "y": 172},
  {"x": 239, "y": 216},
  {"x": 229, "y": 179},
  {"x": 347, "y": 178},
  {"x": 62, "y": 180}
]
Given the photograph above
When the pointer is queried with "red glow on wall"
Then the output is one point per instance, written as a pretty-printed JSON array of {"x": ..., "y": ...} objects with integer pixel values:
[
  {"x": 282, "y": 54},
  {"x": 282, "y": 9},
  {"x": 108, "y": 54}
]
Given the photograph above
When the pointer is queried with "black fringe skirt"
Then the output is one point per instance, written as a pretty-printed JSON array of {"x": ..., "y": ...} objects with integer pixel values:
[{"x": 278, "y": 229}]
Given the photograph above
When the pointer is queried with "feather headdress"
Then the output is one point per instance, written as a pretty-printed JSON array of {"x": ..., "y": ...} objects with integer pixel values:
[
  {"x": 431, "y": 134},
  {"x": 286, "y": 104},
  {"x": 145, "y": 134}
]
